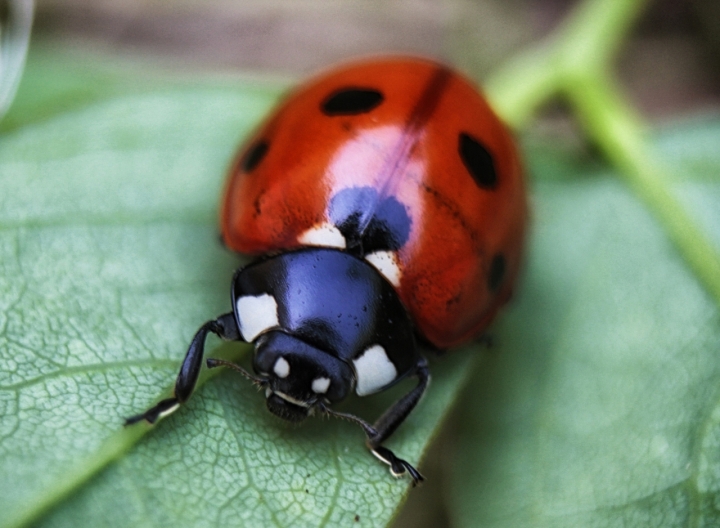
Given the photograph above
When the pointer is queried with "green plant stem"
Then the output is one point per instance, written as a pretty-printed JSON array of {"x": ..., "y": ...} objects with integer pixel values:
[
  {"x": 594, "y": 32},
  {"x": 517, "y": 90},
  {"x": 616, "y": 129},
  {"x": 574, "y": 63},
  {"x": 584, "y": 44}
]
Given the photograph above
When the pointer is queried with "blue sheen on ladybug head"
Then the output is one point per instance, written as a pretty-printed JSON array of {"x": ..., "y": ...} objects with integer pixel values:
[{"x": 369, "y": 221}]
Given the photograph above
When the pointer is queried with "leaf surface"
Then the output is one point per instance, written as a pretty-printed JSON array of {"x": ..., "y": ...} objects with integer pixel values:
[{"x": 601, "y": 407}]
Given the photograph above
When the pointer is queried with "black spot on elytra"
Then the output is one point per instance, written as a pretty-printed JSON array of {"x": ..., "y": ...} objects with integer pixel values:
[
  {"x": 351, "y": 101},
  {"x": 497, "y": 272},
  {"x": 478, "y": 161},
  {"x": 254, "y": 155},
  {"x": 368, "y": 222}
]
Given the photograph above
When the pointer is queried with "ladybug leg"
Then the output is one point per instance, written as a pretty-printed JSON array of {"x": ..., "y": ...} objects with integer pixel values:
[
  {"x": 226, "y": 328},
  {"x": 389, "y": 422},
  {"x": 398, "y": 466}
]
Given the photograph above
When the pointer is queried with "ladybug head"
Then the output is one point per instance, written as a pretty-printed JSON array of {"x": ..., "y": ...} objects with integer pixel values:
[{"x": 298, "y": 375}]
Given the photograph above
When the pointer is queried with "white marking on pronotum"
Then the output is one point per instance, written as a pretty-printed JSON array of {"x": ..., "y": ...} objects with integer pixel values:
[
  {"x": 374, "y": 370},
  {"x": 256, "y": 314},
  {"x": 325, "y": 234},
  {"x": 281, "y": 368},
  {"x": 386, "y": 263},
  {"x": 320, "y": 385}
]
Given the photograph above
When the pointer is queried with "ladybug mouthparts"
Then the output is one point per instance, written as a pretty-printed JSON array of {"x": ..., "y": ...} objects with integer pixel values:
[{"x": 280, "y": 406}]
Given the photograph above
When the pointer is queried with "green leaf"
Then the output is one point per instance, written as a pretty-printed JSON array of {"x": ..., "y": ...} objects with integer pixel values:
[
  {"x": 601, "y": 407},
  {"x": 109, "y": 262}
]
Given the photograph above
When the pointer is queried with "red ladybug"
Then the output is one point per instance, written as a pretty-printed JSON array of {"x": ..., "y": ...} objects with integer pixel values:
[{"x": 386, "y": 205}]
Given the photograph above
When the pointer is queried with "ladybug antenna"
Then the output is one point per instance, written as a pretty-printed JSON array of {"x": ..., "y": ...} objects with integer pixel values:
[
  {"x": 213, "y": 363},
  {"x": 370, "y": 431}
]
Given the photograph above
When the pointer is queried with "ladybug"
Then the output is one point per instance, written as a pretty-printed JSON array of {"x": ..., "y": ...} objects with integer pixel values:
[{"x": 385, "y": 204}]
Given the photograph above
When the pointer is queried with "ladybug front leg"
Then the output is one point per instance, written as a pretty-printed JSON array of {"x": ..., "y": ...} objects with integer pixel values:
[
  {"x": 391, "y": 420},
  {"x": 224, "y": 327}
]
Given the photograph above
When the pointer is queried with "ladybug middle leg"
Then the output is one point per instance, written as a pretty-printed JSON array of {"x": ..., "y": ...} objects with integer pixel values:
[
  {"x": 389, "y": 422},
  {"x": 224, "y": 327}
]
